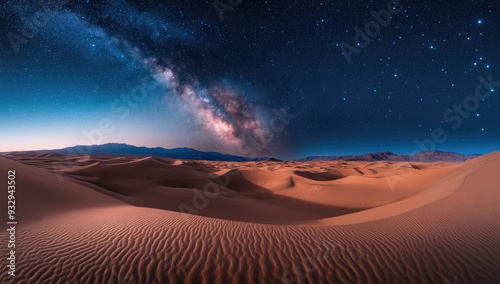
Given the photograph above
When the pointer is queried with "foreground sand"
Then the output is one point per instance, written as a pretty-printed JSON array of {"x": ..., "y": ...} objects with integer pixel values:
[{"x": 117, "y": 220}]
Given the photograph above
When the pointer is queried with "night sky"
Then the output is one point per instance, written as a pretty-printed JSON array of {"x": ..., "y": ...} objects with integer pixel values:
[{"x": 281, "y": 78}]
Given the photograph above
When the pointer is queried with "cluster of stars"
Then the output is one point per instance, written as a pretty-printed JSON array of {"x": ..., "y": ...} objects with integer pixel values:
[{"x": 280, "y": 54}]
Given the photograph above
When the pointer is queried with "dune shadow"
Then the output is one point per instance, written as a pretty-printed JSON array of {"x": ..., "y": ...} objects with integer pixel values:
[{"x": 323, "y": 176}]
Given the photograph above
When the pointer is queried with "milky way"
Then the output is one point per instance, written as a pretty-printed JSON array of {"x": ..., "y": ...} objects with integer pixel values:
[
  {"x": 219, "y": 109},
  {"x": 63, "y": 65}
]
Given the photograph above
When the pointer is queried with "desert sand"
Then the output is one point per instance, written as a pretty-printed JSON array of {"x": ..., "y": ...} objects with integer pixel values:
[{"x": 99, "y": 219}]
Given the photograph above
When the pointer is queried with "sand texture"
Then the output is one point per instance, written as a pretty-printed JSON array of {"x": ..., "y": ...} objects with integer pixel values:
[{"x": 100, "y": 219}]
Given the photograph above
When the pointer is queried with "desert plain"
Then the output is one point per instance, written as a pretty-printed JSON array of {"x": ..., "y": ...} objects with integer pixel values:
[{"x": 114, "y": 219}]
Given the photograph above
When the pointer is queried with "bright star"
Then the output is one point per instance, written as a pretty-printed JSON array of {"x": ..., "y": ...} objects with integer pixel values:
[{"x": 480, "y": 21}]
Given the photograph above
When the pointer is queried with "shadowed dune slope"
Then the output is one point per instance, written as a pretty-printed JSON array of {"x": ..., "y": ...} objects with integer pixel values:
[
  {"x": 41, "y": 194},
  {"x": 395, "y": 223},
  {"x": 263, "y": 195}
]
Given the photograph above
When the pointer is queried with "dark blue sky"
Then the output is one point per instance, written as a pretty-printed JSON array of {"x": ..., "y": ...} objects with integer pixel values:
[{"x": 256, "y": 77}]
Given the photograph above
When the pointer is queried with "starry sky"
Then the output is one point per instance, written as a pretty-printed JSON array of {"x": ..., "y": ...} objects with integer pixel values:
[{"x": 278, "y": 78}]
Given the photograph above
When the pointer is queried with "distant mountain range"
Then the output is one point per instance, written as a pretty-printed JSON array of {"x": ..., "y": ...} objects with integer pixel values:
[
  {"x": 428, "y": 156},
  {"x": 117, "y": 149}
]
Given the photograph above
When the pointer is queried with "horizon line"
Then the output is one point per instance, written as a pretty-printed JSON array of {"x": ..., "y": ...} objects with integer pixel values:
[{"x": 211, "y": 151}]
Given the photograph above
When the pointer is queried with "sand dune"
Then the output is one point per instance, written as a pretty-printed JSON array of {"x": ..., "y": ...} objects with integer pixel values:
[{"x": 97, "y": 219}]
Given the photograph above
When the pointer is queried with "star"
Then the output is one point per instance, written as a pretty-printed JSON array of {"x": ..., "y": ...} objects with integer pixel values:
[{"x": 203, "y": 66}]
